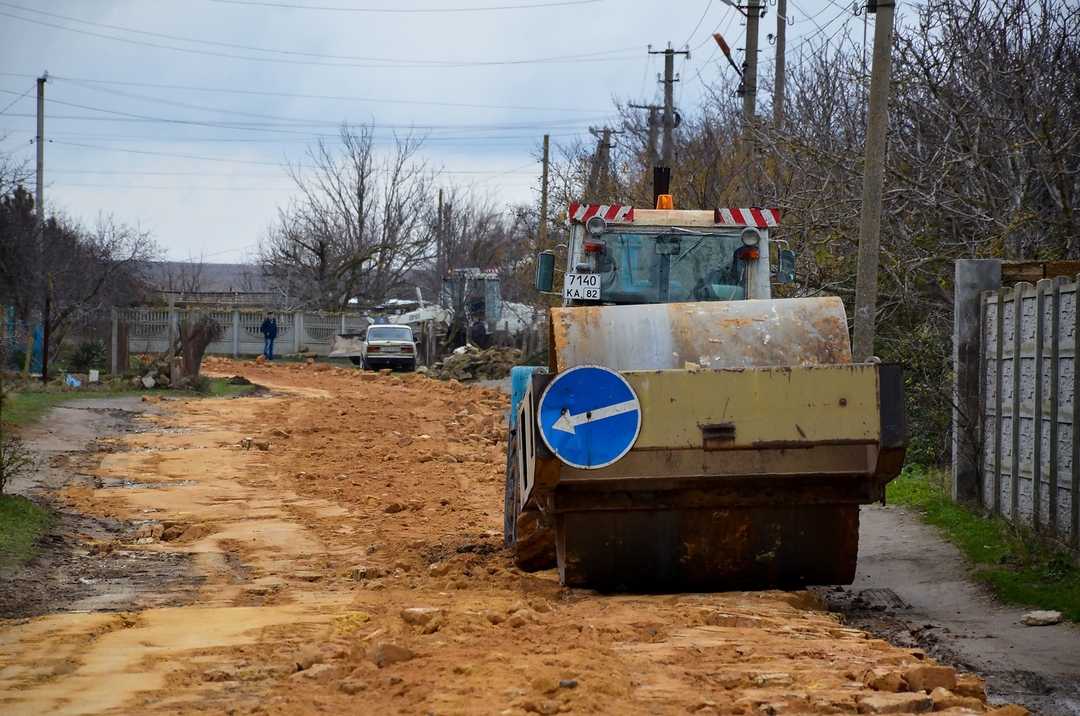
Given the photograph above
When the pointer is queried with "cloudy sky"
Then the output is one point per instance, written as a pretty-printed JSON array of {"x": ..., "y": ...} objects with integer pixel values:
[{"x": 180, "y": 115}]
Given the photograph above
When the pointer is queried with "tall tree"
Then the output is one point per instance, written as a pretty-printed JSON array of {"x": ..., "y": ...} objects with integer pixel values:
[{"x": 357, "y": 226}]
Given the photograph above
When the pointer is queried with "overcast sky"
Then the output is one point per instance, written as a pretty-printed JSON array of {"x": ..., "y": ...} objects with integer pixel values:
[{"x": 179, "y": 115}]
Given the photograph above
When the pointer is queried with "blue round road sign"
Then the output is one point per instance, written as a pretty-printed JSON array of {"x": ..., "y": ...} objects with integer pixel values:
[{"x": 589, "y": 416}]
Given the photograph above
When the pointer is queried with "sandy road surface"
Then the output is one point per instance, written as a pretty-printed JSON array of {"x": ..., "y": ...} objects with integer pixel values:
[{"x": 377, "y": 495}]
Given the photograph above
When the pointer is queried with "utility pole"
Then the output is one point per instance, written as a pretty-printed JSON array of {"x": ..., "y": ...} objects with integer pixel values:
[
  {"x": 669, "y": 105},
  {"x": 40, "y": 196},
  {"x": 873, "y": 179},
  {"x": 652, "y": 159},
  {"x": 39, "y": 200},
  {"x": 670, "y": 120},
  {"x": 654, "y": 123},
  {"x": 598, "y": 172},
  {"x": 544, "y": 197},
  {"x": 781, "y": 61},
  {"x": 439, "y": 268},
  {"x": 753, "y": 16}
]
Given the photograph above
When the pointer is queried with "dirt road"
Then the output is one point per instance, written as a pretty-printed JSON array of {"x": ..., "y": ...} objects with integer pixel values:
[{"x": 334, "y": 545}]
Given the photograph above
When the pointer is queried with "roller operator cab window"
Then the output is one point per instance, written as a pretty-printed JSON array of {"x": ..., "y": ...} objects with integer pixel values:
[{"x": 671, "y": 268}]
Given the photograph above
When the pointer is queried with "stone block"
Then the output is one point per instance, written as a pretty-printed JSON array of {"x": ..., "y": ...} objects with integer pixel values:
[
  {"x": 896, "y": 704},
  {"x": 926, "y": 677}
]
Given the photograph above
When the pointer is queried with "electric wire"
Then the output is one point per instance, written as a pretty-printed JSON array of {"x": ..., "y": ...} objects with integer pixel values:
[
  {"x": 349, "y": 61},
  {"x": 17, "y": 99},
  {"x": 92, "y": 84},
  {"x": 263, "y": 3}
]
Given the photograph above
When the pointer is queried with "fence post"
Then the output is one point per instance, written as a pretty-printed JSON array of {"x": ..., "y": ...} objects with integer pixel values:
[
  {"x": 999, "y": 368},
  {"x": 172, "y": 339},
  {"x": 1037, "y": 408},
  {"x": 1074, "y": 504},
  {"x": 114, "y": 348},
  {"x": 236, "y": 334},
  {"x": 972, "y": 277},
  {"x": 298, "y": 327},
  {"x": 1055, "y": 403}
]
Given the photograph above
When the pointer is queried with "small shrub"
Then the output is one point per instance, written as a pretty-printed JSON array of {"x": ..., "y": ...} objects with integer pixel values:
[
  {"x": 15, "y": 460},
  {"x": 201, "y": 384},
  {"x": 86, "y": 355}
]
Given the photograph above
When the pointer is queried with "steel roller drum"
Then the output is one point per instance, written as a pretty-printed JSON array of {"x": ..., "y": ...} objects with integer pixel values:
[{"x": 719, "y": 334}]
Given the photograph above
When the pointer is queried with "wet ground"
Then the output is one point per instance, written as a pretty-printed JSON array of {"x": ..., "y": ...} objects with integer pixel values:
[{"x": 915, "y": 590}]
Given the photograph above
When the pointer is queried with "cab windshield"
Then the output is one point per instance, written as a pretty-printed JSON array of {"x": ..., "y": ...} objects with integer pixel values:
[{"x": 671, "y": 268}]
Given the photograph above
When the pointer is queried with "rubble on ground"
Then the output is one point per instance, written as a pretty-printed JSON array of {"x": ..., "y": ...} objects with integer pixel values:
[
  {"x": 470, "y": 363},
  {"x": 156, "y": 375}
]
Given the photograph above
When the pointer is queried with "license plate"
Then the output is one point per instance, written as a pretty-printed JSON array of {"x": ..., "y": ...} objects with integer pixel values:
[
  {"x": 391, "y": 349},
  {"x": 582, "y": 286}
]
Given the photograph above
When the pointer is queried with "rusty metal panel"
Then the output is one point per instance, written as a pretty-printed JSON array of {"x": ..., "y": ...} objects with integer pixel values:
[
  {"x": 656, "y": 465},
  {"x": 758, "y": 408},
  {"x": 721, "y": 334},
  {"x": 708, "y": 549}
]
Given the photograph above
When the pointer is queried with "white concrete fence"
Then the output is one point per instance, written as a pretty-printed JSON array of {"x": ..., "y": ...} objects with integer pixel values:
[
  {"x": 149, "y": 331},
  {"x": 1016, "y": 444}
]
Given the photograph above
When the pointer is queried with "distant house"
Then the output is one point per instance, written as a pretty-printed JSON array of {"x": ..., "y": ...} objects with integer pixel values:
[{"x": 190, "y": 283}]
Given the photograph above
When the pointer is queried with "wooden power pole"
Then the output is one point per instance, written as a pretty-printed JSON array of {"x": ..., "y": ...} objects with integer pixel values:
[
  {"x": 873, "y": 180},
  {"x": 753, "y": 17},
  {"x": 669, "y": 122},
  {"x": 39, "y": 232},
  {"x": 781, "y": 62},
  {"x": 543, "y": 230}
]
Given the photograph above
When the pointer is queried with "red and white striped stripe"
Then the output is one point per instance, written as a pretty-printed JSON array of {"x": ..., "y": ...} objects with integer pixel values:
[
  {"x": 760, "y": 218},
  {"x": 612, "y": 214}
]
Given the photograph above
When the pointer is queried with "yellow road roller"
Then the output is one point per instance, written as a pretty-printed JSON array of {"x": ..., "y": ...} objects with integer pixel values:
[{"x": 691, "y": 433}]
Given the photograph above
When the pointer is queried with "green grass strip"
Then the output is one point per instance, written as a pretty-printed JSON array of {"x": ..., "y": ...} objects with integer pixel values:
[
  {"x": 21, "y": 523},
  {"x": 27, "y": 408},
  {"x": 1020, "y": 566}
]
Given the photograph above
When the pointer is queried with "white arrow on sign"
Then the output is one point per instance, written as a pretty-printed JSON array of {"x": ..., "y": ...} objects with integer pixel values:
[{"x": 567, "y": 422}]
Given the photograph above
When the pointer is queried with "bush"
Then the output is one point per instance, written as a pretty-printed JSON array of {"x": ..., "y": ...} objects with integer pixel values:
[
  {"x": 86, "y": 355},
  {"x": 201, "y": 384},
  {"x": 15, "y": 460}
]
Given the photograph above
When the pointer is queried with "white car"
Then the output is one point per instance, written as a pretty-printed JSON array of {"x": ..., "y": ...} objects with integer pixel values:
[{"x": 388, "y": 346}]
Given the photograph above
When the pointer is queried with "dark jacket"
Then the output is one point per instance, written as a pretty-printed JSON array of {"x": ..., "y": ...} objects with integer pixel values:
[{"x": 269, "y": 328}]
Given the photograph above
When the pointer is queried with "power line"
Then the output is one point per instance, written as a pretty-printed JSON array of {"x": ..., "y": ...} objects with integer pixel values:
[
  {"x": 360, "y": 62},
  {"x": 18, "y": 98},
  {"x": 426, "y": 11},
  {"x": 292, "y": 95},
  {"x": 283, "y": 124},
  {"x": 479, "y": 141},
  {"x": 708, "y": 6}
]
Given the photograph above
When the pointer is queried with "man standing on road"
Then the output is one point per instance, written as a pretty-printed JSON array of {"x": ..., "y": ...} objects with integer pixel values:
[{"x": 269, "y": 331}]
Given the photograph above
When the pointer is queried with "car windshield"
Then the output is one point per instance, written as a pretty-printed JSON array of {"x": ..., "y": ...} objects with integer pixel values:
[
  {"x": 389, "y": 333},
  {"x": 671, "y": 268}
]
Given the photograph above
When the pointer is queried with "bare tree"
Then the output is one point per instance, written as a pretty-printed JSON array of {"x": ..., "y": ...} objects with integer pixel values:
[
  {"x": 357, "y": 226},
  {"x": 181, "y": 276},
  {"x": 88, "y": 270},
  {"x": 14, "y": 171},
  {"x": 470, "y": 232}
]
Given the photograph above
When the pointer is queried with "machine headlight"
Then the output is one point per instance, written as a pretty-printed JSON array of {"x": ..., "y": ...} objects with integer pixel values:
[
  {"x": 750, "y": 236},
  {"x": 596, "y": 225}
]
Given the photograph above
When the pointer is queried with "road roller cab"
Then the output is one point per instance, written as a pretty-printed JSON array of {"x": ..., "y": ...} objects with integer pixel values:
[{"x": 690, "y": 431}]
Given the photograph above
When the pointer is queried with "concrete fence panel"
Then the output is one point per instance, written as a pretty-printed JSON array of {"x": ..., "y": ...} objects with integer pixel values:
[
  {"x": 1028, "y": 441},
  {"x": 311, "y": 333}
]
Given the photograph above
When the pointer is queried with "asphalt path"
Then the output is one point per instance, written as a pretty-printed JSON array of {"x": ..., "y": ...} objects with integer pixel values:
[{"x": 1038, "y": 667}]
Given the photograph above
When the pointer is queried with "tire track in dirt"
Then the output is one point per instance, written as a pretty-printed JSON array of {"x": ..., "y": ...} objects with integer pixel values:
[{"x": 363, "y": 544}]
